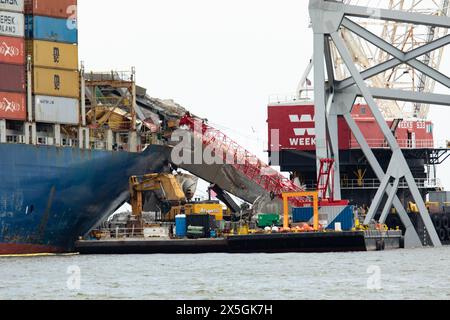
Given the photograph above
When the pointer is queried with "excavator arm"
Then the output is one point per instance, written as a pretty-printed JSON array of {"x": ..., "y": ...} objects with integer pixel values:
[{"x": 166, "y": 183}]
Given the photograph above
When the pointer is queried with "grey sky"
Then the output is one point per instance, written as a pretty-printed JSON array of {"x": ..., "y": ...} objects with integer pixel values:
[{"x": 219, "y": 58}]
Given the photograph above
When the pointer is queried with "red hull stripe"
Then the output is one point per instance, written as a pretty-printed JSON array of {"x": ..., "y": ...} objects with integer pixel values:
[{"x": 19, "y": 248}]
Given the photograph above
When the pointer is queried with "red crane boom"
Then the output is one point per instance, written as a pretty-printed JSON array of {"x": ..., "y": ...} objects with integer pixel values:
[{"x": 244, "y": 161}]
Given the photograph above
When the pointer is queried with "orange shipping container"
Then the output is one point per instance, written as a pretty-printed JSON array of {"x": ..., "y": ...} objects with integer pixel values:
[
  {"x": 56, "y": 55},
  {"x": 13, "y": 106},
  {"x": 12, "y": 50},
  {"x": 58, "y": 83},
  {"x": 52, "y": 8}
]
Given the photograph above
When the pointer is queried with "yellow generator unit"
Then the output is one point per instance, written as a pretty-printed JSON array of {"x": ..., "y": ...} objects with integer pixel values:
[{"x": 211, "y": 208}]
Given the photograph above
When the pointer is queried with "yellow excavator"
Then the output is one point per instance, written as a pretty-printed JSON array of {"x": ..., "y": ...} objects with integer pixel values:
[
  {"x": 174, "y": 200},
  {"x": 167, "y": 184}
]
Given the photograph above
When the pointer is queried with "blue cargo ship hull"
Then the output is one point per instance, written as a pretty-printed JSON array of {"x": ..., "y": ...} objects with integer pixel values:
[{"x": 50, "y": 196}]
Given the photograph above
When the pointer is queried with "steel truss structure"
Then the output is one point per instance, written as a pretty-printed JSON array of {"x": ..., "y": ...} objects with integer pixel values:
[
  {"x": 404, "y": 36},
  {"x": 334, "y": 98}
]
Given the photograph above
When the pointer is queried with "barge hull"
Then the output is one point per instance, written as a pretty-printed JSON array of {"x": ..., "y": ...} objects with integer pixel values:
[
  {"x": 152, "y": 247},
  {"x": 298, "y": 242},
  {"x": 320, "y": 242}
]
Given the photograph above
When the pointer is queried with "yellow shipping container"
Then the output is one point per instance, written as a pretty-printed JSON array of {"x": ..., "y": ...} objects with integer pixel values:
[
  {"x": 58, "y": 83},
  {"x": 205, "y": 208},
  {"x": 53, "y": 54}
]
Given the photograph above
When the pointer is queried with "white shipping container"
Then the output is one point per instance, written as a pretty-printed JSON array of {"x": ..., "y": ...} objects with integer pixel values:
[
  {"x": 12, "y": 5},
  {"x": 56, "y": 110},
  {"x": 12, "y": 24}
]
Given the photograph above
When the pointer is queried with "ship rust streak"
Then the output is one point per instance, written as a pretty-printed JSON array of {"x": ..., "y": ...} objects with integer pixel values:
[{"x": 45, "y": 217}]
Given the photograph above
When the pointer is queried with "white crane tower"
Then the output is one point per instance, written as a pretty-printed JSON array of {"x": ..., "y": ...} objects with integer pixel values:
[
  {"x": 405, "y": 37},
  {"x": 388, "y": 53}
]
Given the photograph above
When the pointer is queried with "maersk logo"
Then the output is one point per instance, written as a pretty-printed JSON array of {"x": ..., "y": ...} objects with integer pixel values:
[
  {"x": 304, "y": 136},
  {"x": 9, "y": 51},
  {"x": 9, "y": 106}
]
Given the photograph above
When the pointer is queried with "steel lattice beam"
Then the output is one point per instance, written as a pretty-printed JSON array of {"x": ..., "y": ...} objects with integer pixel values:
[
  {"x": 383, "y": 14},
  {"x": 327, "y": 19},
  {"x": 398, "y": 54},
  {"x": 395, "y": 62},
  {"x": 401, "y": 95}
]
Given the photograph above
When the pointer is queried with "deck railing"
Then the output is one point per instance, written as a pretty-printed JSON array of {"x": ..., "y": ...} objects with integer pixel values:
[
  {"x": 301, "y": 97},
  {"x": 404, "y": 144},
  {"x": 126, "y": 76},
  {"x": 127, "y": 233},
  {"x": 374, "y": 184}
]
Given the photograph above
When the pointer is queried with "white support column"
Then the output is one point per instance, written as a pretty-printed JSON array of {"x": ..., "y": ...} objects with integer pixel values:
[
  {"x": 133, "y": 143},
  {"x": 83, "y": 138},
  {"x": 118, "y": 140},
  {"x": 87, "y": 138},
  {"x": 134, "y": 105},
  {"x": 29, "y": 89},
  {"x": 2, "y": 131},
  {"x": 27, "y": 132},
  {"x": 319, "y": 98},
  {"x": 334, "y": 144},
  {"x": 109, "y": 140},
  {"x": 30, "y": 127},
  {"x": 322, "y": 26},
  {"x": 57, "y": 129},
  {"x": 80, "y": 138},
  {"x": 34, "y": 134},
  {"x": 332, "y": 120},
  {"x": 83, "y": 96}
]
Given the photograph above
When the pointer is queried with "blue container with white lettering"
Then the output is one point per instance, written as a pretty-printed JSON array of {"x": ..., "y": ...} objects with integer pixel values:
[{"x": 51, "y": 29}]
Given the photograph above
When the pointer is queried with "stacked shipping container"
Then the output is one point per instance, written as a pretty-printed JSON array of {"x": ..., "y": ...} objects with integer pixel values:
[
  {"x": 12, "y": 61},
  {"x": 52, "y": 37}
]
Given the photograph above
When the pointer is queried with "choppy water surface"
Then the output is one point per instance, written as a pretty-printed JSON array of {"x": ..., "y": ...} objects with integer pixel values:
[{"x": 403, "y": 274}]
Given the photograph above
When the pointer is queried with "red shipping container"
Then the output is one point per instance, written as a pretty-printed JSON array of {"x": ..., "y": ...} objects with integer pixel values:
[
  {"x": 52, "y": 8},
  {"x": 12, "y": 50},
  {"x": 12, "y": 78},
  {"x": 13, "y": 106}
]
